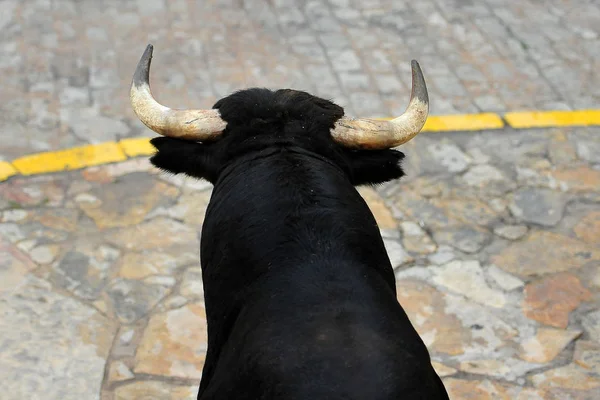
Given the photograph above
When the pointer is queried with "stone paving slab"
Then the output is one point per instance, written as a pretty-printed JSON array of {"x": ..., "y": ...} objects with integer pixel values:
[
  {"x": 494, "y": 239},
  {"x": 66, "y": 65}
]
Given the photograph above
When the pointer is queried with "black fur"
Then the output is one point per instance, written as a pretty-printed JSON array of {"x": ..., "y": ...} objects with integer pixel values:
[{"x": 300, "y": 294}]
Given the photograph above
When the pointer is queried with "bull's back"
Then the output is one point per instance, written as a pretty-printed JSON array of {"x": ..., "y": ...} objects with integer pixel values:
[
  {"x": 300, "y": 293},
  {"x": 319, "y": 344}
]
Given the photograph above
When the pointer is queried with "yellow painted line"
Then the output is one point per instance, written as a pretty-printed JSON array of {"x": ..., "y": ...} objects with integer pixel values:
[
  {"x": 137, "y": 147},
  {"x": 547, "y": 119},
  {"x": 69, "y": 159},
  {"x": 463, "y": 122},
  {"x": 105, "y": 153},
  {"x": 467, "y": 122},
  {"x": 6, "y": 170}
]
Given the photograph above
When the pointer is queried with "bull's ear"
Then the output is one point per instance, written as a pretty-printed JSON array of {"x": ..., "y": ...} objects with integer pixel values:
[
  {"x": 185, "y": 157},
  {"x": 369, "y": 167}
]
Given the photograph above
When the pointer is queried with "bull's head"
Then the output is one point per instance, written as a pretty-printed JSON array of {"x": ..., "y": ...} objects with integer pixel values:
[
  {"x": 245, "y": 109},
  {"x": 202, "y": 125}
]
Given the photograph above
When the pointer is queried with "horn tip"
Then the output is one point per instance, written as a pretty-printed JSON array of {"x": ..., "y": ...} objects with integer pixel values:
[
  {"x": 419, "y": 86},
  {"x": 142, "y": 72},
  {"x": 149, "y": 50}
]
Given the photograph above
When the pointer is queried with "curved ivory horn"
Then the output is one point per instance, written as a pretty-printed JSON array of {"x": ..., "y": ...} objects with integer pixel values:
[
  {"x": 376, "y": 134},
  {"x": 196, "y": 125}
]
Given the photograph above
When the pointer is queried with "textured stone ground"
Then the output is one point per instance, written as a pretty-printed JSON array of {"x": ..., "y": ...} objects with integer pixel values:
[
  {"x": 494, "y": 237},
  {"x": 66, "y": 65}
]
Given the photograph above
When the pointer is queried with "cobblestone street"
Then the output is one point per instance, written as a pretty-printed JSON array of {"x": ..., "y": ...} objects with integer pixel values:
[
  {"x": 494, "y": 235},
  {"x": 66, "y": 65}
]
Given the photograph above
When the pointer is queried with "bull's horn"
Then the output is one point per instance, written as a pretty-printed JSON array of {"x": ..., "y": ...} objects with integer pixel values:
[
  {"x": 196, "y": 125},
  {"x": 376, "y": 134}
]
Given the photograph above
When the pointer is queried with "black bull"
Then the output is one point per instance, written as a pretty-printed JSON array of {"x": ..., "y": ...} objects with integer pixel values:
[{"x": 300, "y": 294}]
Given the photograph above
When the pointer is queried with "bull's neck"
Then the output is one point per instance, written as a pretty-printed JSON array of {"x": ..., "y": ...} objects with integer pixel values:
[
  {"x": 285, "y": 217},
  {"x": 274, "y": 200},
  {"x": 271, "y": 155}
]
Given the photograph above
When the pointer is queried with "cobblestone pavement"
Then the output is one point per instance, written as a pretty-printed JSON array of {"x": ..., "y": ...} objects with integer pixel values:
[
  {"x": 494, "y": 237},
  {"x": 66, "y": 65}
]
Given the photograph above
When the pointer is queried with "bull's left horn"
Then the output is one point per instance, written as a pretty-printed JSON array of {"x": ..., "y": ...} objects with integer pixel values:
[
  {"x": 196, "y": 125},
  {"x": 376, "y": 134}
]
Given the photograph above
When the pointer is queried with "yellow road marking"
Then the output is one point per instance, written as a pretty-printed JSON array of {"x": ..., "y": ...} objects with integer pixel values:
[
  {"x": 6, "y": 170},
  {"x": 109, "y": 152},
  {"x": 546, "y": 119},
  {"x": 69, "y": 159},
  {"x": 137, "y": 147},
  {"x": 462, "y": 122},
  {"x": 467, "y": 122}
]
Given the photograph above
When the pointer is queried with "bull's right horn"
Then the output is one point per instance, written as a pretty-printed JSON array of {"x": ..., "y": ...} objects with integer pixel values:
[
  {"x": 198, "y": 125},
  {"x": 374, "y": 134}
]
